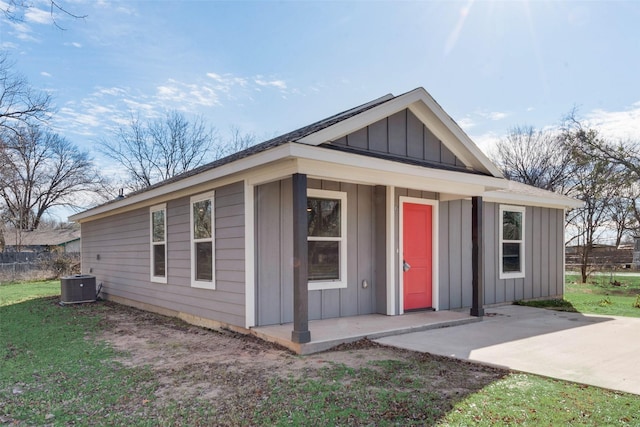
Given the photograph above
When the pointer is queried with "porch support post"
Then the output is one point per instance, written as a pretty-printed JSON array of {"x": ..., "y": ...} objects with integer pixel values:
[
  {"x": 300, "y": 333},
  {"x": 477, "y": 257}
]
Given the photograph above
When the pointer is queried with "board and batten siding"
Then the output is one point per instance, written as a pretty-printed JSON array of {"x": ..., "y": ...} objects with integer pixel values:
[
  {"x": 401, "y": 135},
  {"x": 544, "y": 262},
  {"x": 116, "y": 250},
  {"x": 274, "y": 245}
]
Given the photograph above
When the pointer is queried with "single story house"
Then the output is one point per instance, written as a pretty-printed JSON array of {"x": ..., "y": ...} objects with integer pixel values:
[
  {"x": 385, "y": 208},
  {"x": 56, "y": 240}
]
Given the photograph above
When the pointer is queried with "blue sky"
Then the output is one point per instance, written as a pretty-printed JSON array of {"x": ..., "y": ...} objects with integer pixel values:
[{"x": 269, "y": 67}]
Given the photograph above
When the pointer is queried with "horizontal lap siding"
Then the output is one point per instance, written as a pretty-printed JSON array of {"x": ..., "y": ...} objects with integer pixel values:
[
  {"x": 544, "y": 245},
  {"x": 122, "y": 241}
]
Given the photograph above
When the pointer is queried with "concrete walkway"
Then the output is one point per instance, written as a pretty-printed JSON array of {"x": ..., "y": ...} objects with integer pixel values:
[{"x": 589, "y": 349}]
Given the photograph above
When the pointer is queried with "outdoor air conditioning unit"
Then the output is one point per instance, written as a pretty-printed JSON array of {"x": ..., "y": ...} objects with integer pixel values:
[{"x": 78, "y": 288}]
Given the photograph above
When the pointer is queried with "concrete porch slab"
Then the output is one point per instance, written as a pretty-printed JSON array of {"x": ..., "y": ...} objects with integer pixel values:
[{"x": 328, "y": 333}]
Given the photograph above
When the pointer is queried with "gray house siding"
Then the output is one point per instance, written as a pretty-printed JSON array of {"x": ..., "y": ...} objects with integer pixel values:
[
  {"x": 116, "y": 250},
  {"x": 402, "y": 135},
  {"x": 544, "y": 264},
  {"x": 274, "y": 276},
  {"x": 274, "y": 253},
  {"x": 455, "y": 254}
]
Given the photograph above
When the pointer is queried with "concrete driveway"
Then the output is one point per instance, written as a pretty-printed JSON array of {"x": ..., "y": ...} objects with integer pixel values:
[{"x": 597, "y": 350}]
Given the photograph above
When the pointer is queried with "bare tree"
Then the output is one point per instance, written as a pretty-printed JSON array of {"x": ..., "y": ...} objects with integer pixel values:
[
  {"x": 624, "y": 212},
  {"x": 14, "y": 11},
  {"x": 160, "y": 149},
  {"x": 598, "y": 183},
  {"x": 625, "y": 154},
  {"x": 535, "y": 157},
  {"x": 19, "y": 103},
  {"x": 41, "y": 170},
  {"x": 238, "y": 141}
]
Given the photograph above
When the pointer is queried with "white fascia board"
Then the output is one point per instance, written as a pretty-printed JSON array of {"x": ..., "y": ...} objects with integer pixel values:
[
  {"x": 225, "y": 174},
  {"x": 529, "y": 200},
  {"x": 361, "y": 120},
  {"x": 427, "y": 110},
  {"x": 289, "y": 158},
  {"x": 456, "y": 140},
  {"x": 341, "y": 166}
]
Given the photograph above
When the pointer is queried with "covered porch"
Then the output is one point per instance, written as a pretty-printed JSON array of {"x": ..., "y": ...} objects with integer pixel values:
[{"x": 328, "y": 333}]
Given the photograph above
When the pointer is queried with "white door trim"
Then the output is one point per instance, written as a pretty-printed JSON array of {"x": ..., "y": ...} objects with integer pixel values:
[{"x": 434, "y": 239}]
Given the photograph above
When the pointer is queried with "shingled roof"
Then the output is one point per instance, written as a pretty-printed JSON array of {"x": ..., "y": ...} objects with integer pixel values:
[{"x": 275, "y": 142}]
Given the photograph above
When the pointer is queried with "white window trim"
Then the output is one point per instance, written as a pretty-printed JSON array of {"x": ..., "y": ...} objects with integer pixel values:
[
  {"x": 518, "y": 274},
  {"x": 154, "y": 278},
  {"x": 199, "y": 283},
  {"x": 342, "y": 282}
]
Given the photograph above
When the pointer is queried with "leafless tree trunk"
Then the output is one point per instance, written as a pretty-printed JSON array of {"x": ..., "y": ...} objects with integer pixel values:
[
  {"x": 19, "y": 103},
  {"x": 41, "y": 170},
  {"x": 535, "y": 157},
  {"x": 160, "y": 149}
]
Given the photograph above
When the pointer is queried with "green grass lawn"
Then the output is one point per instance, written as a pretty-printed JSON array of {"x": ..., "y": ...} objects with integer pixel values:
[
  {"x": 13, "y": 293},
  {"x": 54, "y": 371},
  {"x": 605, "y": 294}
]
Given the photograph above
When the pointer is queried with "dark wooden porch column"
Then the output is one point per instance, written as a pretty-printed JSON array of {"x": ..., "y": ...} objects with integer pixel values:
[
  {"x": 477, "y": 257},
  {"x": 300, "y": 333}
]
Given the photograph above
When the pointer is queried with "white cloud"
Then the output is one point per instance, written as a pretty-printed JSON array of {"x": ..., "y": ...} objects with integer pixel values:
[
  {"x": 45, "y": 74},
  {"x": 21, "y": 31},
  {"x": 486, "y": 141},
  {"x": 466, "y": 123},
  {"x": 492, "y": 115},
  {"x": 617, "y": 125},
  {"x": 37, "y": 16},
  {"x": 274, "y": 83},
  {"x": 187, "y": 94},
  {"x": 110, "y": 107}
]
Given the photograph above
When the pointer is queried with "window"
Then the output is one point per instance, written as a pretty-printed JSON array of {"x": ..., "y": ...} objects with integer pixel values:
[
  {"x": 326, "y": 239},
  {"x": 158, "y": 232},
  {"x": 512, "y": 241},
  {"x": 202, "y": 241}
]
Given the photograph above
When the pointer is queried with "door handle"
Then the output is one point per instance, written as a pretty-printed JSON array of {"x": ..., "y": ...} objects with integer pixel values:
[{"x": 405, "y": 266}]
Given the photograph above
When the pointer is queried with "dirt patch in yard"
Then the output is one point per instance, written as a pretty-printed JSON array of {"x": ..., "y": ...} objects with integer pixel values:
[{"x": 236, "y": 371}]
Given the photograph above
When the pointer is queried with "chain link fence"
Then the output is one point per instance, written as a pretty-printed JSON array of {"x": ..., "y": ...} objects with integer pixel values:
[{"x": 28, "y": 266}]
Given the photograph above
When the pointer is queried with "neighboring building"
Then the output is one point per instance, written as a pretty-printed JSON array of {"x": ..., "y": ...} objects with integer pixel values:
[
  {"x": 373, "y": 210},
  {"x": 56, "y": 240},
  {"x": 636, "y": 252},
  {"x": 601, "y": 256}
]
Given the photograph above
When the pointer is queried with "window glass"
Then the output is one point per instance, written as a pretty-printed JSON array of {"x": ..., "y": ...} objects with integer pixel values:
[
  {"x": 158, "y": 250},
  {"x": 204, "y": 254},
  {"x": 158, "y": 226},
  {"x": 202, "y": 241},
  {"x": 511, "y": 257},
  {"x": 323, "y": 217},
  {"x": 512, "y": 225},
  {"x": 326, "y": 239},
  {"x": 512, "y": 241},
  {"x": 202, "y": 219},
  {"x": 159, "y": 260},
  {"x": 324, "y": 260}
]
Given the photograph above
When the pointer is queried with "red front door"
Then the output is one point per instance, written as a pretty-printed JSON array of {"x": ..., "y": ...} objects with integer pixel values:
[{"x": 417, "y": 256}]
